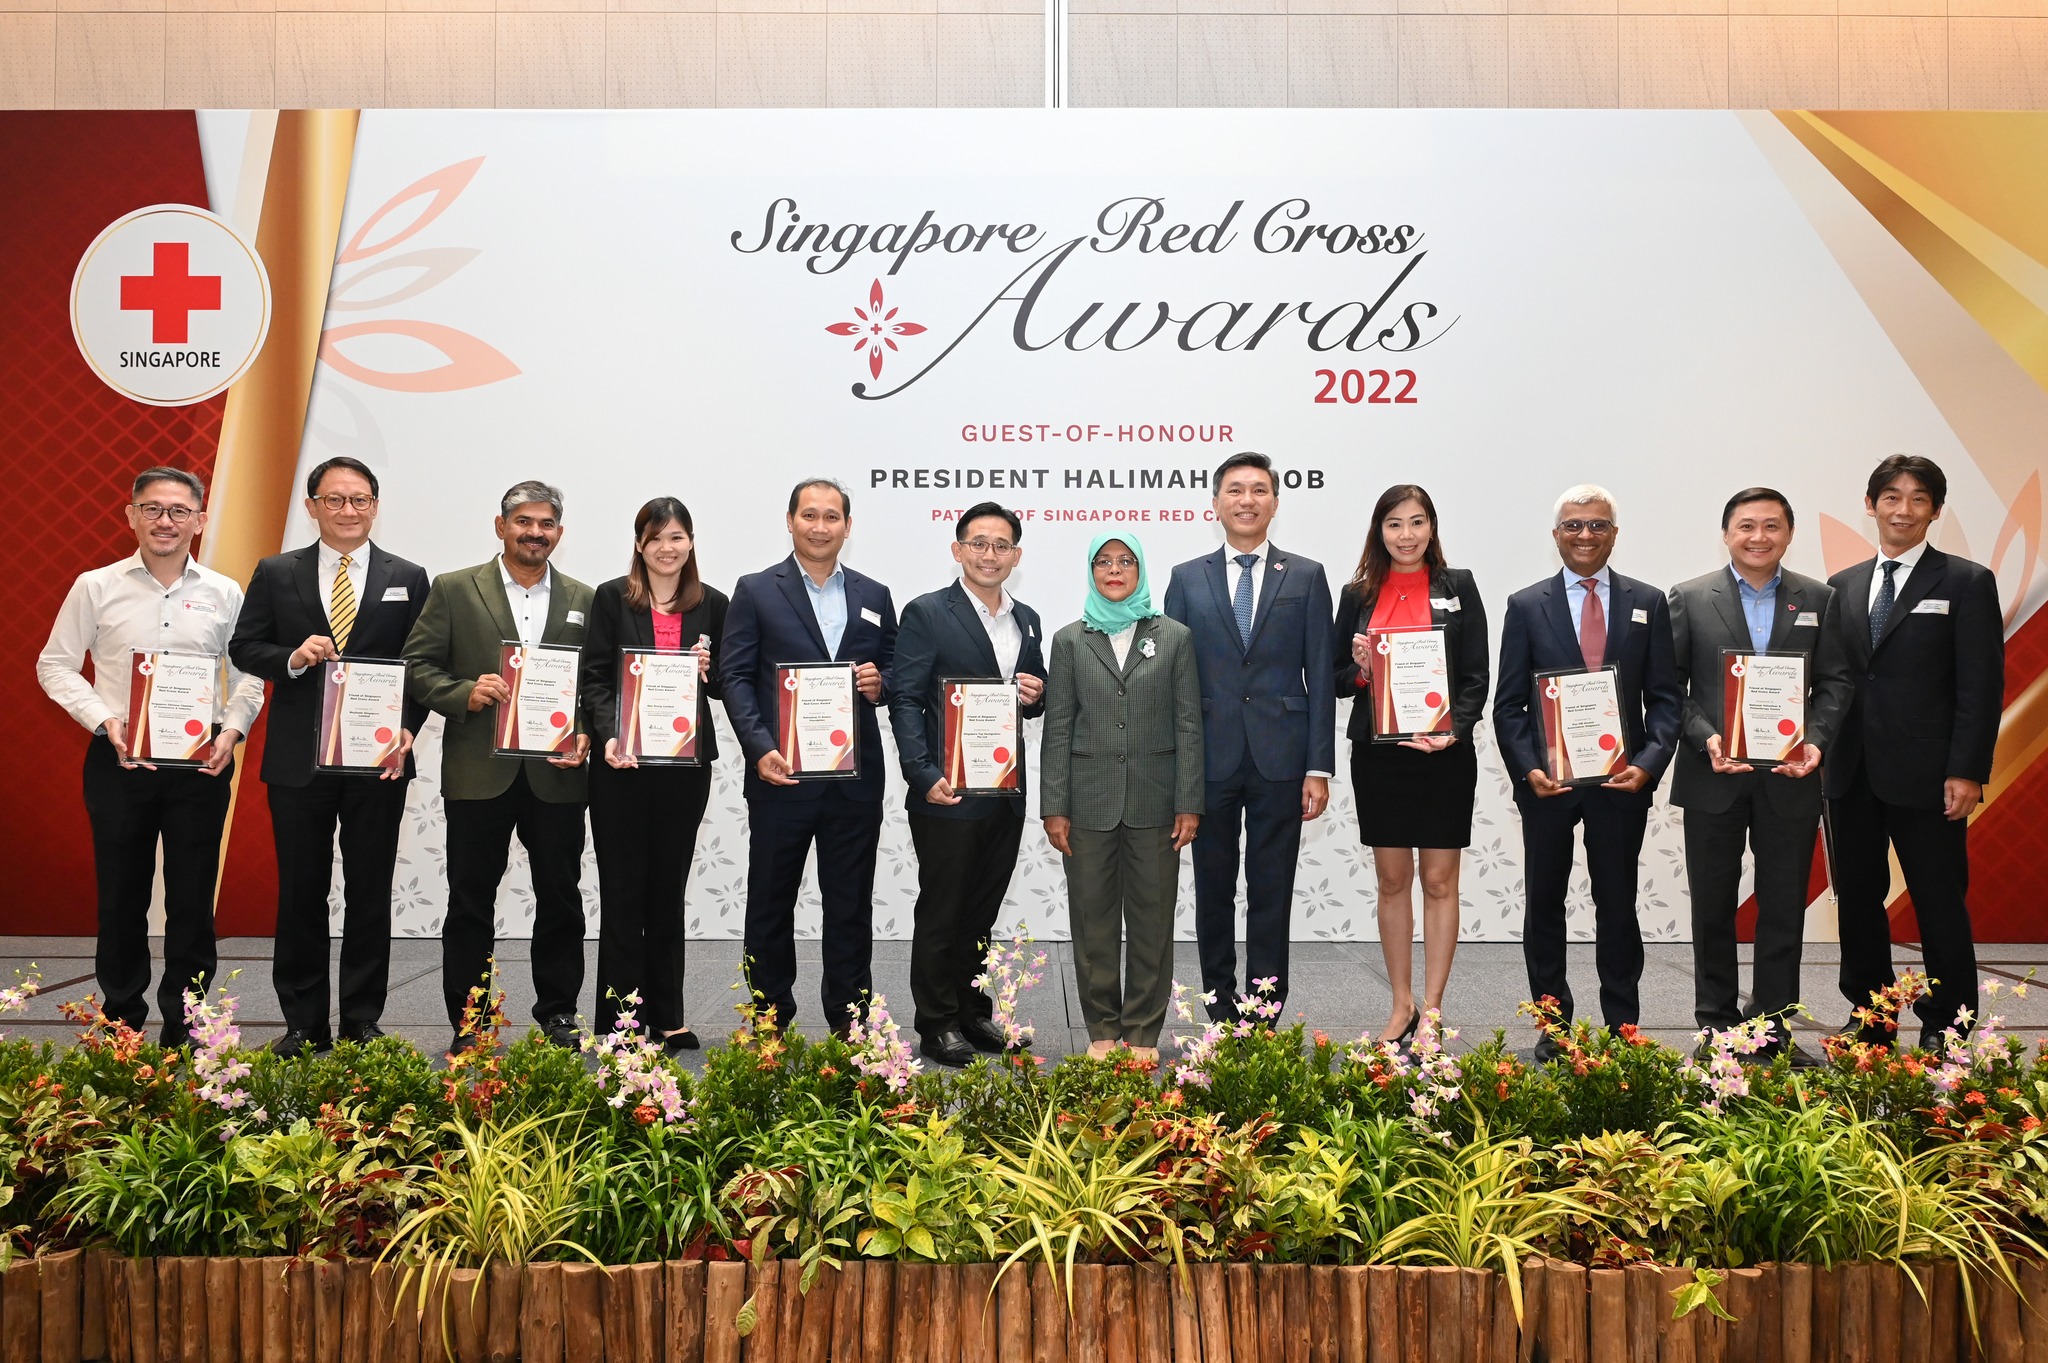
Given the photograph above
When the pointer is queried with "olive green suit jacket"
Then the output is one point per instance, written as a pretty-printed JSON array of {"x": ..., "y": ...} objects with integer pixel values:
[{"x": 1122, "y": 745}]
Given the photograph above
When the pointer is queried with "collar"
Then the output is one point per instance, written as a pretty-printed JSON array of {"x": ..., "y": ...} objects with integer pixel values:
[
  {"x": 512, "y": 584},
  {"x": 1604, "y": 577},
  {"x": 981, "y": 608},
  {"x": 1910, "y": 559},
  {"x": 330, "y": 557},
  {"x": 1742, "y": 583},
  {"x": 136, "y": 564},
  {"x": 812, "y": 584},
  {"x": 1262, "y": 553}
]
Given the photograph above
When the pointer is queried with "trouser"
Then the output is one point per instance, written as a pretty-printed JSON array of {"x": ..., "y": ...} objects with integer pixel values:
[
  {"x": 1121, "y": 885},
  {"x": 644, "y": 822},
  {"x": 368, "y": 811},
  {"x": 479, "y": 846},
  {"x": 1268, "y": 813},
  {"x": 1614, "y": 823},
  {"x": 1934, "y": 852},
  {"x": 963, "y": 872},
  {"x": 780, "y": 834},
  {"x": 131, "y": 809},
  {"x": 1783, "y": 846}
]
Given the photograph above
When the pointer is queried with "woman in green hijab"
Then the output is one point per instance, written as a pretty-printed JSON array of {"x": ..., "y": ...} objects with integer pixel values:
[{"x": 1120, "y": 789}]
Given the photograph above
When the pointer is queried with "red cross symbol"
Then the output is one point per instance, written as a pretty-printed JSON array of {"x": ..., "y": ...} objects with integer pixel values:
[{"x": 171, "y": 294}]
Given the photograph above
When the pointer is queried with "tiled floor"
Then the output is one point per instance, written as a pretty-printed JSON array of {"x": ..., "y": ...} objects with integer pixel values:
[{"x": 1338, "y": 987}]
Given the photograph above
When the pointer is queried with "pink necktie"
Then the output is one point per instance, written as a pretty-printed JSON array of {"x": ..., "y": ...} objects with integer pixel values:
[{"x": 1592, "y": 625}]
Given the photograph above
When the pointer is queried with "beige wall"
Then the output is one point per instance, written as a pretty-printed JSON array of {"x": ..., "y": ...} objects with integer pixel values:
[{"x": 587, "y": 53}]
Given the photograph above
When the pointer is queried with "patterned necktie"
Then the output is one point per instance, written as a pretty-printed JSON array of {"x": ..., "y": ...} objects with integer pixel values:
[
  {"x": 1241, "y": 604},
  {"x": 1881, "y": 610},
  {"x": 341, "y": 605},
  {"x": 1592, "y": 625}
]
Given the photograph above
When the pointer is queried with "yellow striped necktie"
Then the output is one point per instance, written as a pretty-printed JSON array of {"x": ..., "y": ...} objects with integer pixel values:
[{"x": 341, "y": 605}]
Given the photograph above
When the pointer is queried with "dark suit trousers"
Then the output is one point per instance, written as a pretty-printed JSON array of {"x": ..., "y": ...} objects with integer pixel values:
[
  {"x": 1934, "y": 853},
  {"x": 479, "y": 846},
  {"x": 303, "y": 820},
  {"x": 644, "y": 822},
  {"x": 1269, "y": 815},
  {"x": 1614, "y": 840},
  {"x": 780, "y": 834},
  {"x": 1713, "y": 866},
  {"x": 963, "y": 871},
  {"x": 130, "y": 810}
]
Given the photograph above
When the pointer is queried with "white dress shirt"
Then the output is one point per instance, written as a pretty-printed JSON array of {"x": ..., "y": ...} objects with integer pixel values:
[
  {"x": 323, "y": 581},
  {"x": 112, "y": 611},
  {"x": 1004, "y": 635},
  {"x": 529, "y": 604},
  {"x": 1906, "y": 561},
  {"x": 1232, "y": 570},
  {"x": 1575, "y": 596}
]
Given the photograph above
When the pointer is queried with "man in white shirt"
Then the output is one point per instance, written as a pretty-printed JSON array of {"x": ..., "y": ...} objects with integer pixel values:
[{"x": 158, "y": 599}]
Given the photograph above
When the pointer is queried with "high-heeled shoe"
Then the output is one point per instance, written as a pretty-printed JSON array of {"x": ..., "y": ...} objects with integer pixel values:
[{"x": 1407, "y": 1037}]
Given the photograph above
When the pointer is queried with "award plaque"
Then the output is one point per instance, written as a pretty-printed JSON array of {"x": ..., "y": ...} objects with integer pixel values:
[
  {"x": 659, "y": 716},
  {"x": 1582, "y": 733},
  {"x": 362, "y": 715},
  {"x": 1411, "y": 684},
  {"x": 816, "y": 720},
  {"x": 982, "y": 733},
  {"x": 172, "y": 703},
  {"x": 540, "y": 719},
  {"x": 1763, "y": 706}
]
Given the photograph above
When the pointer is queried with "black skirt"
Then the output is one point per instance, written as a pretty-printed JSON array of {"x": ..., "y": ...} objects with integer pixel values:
[{"x": 1409, "y": 798}]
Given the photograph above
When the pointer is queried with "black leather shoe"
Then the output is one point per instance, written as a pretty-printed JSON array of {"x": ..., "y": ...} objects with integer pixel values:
[
  {"x": 170, "y": 1038},
  {"x": 464, "y": 1041},
  {"x": 560, "y": 1030},
  {"x": 948, "y": 1048},
  {"x": 297, "y": 1041},
  {"x": 1547, "y": 1050},
  {"x": 360, "y": 1031},
  {"x": 684, "y": 1040},
  {"x": 983, "y": 1034}
]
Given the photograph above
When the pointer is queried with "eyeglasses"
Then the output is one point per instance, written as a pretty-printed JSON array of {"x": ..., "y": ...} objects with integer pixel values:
[
  {"x": 1583, "y": 527},
  {"x": 1000, "y": 548},
  {"x": 176, "y": 515},
  {"x": 334, "y": 501},
  {"x": 1126, "y": 563}
]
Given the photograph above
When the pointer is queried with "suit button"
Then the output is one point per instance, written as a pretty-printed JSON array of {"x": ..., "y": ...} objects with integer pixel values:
[
  {"x": 1119, "y": 757},
  {"x": 1247, "y": 700},
  {"x": 1119, "y": 690},
  {"x": 1870, "y": 676},
  {"x": 1119, "y": 724}
]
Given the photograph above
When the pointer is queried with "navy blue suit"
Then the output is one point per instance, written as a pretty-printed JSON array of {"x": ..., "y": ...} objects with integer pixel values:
[
  {"x": 1269, "y": 718},
  {"x": 966, "y": 851},
  {"x": 771, "y": 622},
  {"x": 1540, "y": 634}
]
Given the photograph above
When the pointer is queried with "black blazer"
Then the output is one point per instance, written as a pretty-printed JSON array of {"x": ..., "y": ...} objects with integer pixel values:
[
  {"x": 942, "y": 636},
  {"x": 770, "y": 622},
  {"x": 1930, "y": 694},
  {"x": 1540, "y": 635},
  {"x": 283, "y": 608},
  {"x": 1455, "y": 608},
  {"x": 615, "y": 625}
]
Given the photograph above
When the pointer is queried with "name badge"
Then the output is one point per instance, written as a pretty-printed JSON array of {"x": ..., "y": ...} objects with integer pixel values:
[
  {"x": 1931, "y": 607},
  {"x": 872, "y": 617},
  {"x": 208, "y": 608},
  {"x": 574, "y": 617},
  {"x": 1446, "y": 603},
  {"x": 1807, "y": 618},
  {"x": 1640, "y": 617},
  {"x": 396, "y": 594}
]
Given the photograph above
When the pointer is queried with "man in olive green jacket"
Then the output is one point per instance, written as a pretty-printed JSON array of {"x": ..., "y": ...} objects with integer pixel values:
[{"x": 454, "y": 668}]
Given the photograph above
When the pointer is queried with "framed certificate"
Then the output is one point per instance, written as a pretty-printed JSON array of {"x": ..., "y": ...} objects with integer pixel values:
[
  {"x": 540, "y": 719},
  {"x": 1582, "y": 734},
  {"x": 362, "y": 715},
  {"x": 816, "y": 720},
  {"x": 982, "y": 732},
  {"x": 1411, "y": 684},
  {"x": 173, "y": 700},
  {"x": 659, "y": 717},
  {"x": 1763, "y": 706}
]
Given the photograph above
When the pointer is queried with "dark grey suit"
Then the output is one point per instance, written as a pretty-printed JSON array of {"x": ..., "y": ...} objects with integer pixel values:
[{"x": 1778, "y": 816}]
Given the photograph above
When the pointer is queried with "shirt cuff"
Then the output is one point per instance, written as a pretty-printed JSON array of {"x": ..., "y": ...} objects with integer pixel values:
[
  {"x": 297, "y": 672},
  {"x": 1325, "y": 775}
]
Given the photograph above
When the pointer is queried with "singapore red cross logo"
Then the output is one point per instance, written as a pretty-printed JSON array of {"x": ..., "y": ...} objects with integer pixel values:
[{"x": 877, "y": 329}]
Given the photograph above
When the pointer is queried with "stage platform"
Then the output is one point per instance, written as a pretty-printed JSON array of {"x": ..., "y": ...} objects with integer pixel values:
[{"x": 1340, "y": 988}]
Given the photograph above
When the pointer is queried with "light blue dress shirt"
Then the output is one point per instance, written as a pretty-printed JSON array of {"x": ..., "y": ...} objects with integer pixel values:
[
  {"x": 828, "y": 603},
  {"x": 1575, "y": 597},
  {"x": 1759, "y": 606}
]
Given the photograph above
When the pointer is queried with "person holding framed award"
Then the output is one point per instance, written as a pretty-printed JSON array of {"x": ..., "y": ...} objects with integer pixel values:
[
  {"x": 1766, "y": 682},
  {"x": 967, "y": 642},
  {"x": 1412, "y": 633},
  {"x": 1586, "y": 715},
  {"x": 320, "y": 623},
  {"x": 648, "y": 682},
  {"x": 156, "y": 769},
  {"x": 1121, "y": 791},
  {"x": 808, "y": 654},
  {"x": 529, "y": 781}
]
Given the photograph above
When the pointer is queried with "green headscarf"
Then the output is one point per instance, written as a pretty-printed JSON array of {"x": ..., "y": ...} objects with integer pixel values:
[{"x": 1114, "y": 617}]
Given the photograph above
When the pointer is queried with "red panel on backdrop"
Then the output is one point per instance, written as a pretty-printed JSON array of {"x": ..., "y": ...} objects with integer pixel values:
[{"x": 68, "y": 448}]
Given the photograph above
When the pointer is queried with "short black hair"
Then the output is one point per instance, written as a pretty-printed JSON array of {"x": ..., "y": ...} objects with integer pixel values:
[
  {"x": 1924, "y": 470},
  {"x": 342, "y": 461},
  {"x": 982, "y": 510},
  {"x": 1244, "y": 459},
  {"x": 1757, "y": 494},
  {"x": 845, "y": 498},
  {"x": 163, "y": 473}
]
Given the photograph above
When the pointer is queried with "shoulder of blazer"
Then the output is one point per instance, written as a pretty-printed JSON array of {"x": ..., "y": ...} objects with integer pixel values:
[
  {"x": 1633, "y": 585},
  {"x": 1706, "y": 582},
  {"x": 395, "y": 565},
  {"x": 1854, "y": 574},
  {"x": 1802, "y": 583}
]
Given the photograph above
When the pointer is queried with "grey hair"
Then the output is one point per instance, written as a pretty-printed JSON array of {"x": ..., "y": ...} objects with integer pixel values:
[
  {"x": 532, "y": 490},
  {"x": 1580, "y": 495}
]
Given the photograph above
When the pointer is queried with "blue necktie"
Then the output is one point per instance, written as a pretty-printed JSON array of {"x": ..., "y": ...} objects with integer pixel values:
[
  {"x": 1881, "y": 610},
  {"x": 1241, "y": 604}
]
